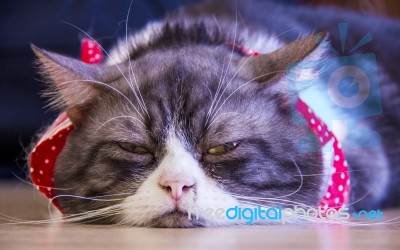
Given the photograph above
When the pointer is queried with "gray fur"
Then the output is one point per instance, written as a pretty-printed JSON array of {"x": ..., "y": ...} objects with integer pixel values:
[{"x": 177, "y": 73}]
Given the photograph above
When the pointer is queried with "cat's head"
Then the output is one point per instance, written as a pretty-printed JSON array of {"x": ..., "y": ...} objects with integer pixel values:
[{"x": 181, "y": 130}]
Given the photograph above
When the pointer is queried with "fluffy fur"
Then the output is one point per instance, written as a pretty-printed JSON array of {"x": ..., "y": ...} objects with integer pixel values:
[{"x": 177, "y": 90}]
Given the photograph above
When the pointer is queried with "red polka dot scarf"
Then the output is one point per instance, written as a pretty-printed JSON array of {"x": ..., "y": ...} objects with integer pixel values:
[{"x": 44, "y": 155}]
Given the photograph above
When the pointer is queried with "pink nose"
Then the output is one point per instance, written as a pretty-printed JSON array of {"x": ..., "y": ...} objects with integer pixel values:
[{"x": 176, "y": 188}]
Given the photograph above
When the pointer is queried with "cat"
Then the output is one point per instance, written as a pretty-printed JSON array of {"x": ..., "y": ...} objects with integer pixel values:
[{"x": 177, "y": 118}]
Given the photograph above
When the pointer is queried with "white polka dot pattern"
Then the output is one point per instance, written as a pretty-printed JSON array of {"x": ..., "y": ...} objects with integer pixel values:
[
  {"x": 91, "y": 51},
  {"x": 44, "y": 156},
  {"x": 336, "y": 195}
]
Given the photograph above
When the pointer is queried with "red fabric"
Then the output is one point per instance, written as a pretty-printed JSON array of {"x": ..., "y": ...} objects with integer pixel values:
[
  {"x": 91, "y": 52},
  {"x": 337, "y": 194},
  {"x": 44, "y": 156},
  {"x": 244, "y": 51}
]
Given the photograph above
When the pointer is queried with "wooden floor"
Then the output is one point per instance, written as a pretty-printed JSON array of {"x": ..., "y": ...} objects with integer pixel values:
[{"x": 22, "y": 202}]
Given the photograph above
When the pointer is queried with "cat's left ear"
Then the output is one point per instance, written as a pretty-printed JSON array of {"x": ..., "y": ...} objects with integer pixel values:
[
  {"x": 71, "y": 82},
  {"x": 269, "y": 68}
]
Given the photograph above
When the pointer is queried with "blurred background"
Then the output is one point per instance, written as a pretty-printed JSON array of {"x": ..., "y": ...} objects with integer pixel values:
[{"x": 22, "y": 110}]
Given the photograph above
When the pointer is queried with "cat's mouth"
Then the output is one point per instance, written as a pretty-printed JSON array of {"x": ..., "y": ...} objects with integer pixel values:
[{"x": 177, "y": 218}]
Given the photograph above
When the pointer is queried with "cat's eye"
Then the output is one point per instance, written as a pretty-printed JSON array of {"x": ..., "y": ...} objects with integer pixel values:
[
  {"x": 223, "y": 148},
  {"x": 133, "y": 148}
]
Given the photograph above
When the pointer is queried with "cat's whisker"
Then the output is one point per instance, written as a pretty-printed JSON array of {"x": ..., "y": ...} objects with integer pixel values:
[
  {"x": 283, "y": 33},
  {"x": 338, "y": 172},
  {"x": 94, "y": 198},
  {"x": 265, "y": 199},
  {"x": 216, "y": 93},
  {"x": 269, "y": 200},
  {"x": 301, "y": 179},
  {"x": 391, "y": 221},
  {"x": 140, "y": 94},
  {"x": 362, "y": 197},
  {"x": 276, "y": 198},
  {"x": 105, "y": 52},
  {"x": 299, "y": 217},
  {"x": 244, "y": 84},
  {"x": 118, "y": 117},
  {"x": 254, "y": 203},
  {"x": 130, "y": 71},
  {"x": 224, "y": 114},
  {"x": 292, "y": 193},
  {"x": 108, "y": 86},
  {"x": 64, "y": 219},
  {"x": 101, "y": 47},
  {"x": 12, "y": 219},
  {"x": 124, "y": 220},
  {"x": 112, "y": 209},
  {"x": 79, "y": 197},
  {"x": 36, "y": 186},
  {"x": 228, "y": 83},
  {"x": 92, "y": 217},
  {"x": 227, "y": 68}
]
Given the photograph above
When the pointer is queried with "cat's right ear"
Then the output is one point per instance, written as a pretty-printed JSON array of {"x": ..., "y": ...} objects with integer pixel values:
[
  {"x": 269, "y": 68},
  {"x": 71, "y": 81}
]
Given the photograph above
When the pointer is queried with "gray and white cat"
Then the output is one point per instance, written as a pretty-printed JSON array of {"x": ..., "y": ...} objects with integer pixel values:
[{"x": 177, "y": 119}]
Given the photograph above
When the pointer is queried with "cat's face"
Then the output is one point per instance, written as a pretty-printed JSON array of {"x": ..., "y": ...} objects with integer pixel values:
[{"x": 177, "y": 130}]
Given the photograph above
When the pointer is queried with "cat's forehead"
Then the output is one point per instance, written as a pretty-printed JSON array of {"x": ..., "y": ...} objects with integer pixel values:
[
  {"x": 193, "y": 74},
  {"x": 185, "y": 61},
  {"x": 188, "y": 88}
]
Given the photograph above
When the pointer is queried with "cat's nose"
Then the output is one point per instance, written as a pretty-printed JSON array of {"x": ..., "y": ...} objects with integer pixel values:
[{"x": 177, "y": 187}]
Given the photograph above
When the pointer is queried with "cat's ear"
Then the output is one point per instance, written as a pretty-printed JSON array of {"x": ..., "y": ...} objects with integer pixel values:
[
  {"x": 71, "y": 81},
  {"x": 271, "y": 67}
]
